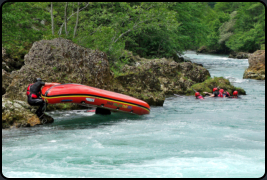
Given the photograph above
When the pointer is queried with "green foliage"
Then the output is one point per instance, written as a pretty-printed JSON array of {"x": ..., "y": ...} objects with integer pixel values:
[
  {"x": 161, "y": 42},
  {"x": 211, "y": 4},
  {"x": 227, "y": 28},
  {"x": 148, "y": 29},
  {"x": 226, "y": 7},
  {"x": 192, "y": 32},
  {"x": 236, "y": 26},
  {"x": 153, "y": 43},
  {"x": 214, "y": 21},
  {"x": 249, "y": 28},
  {"x": 21, "y": 26},
  {"x": 121, "y": 23}
]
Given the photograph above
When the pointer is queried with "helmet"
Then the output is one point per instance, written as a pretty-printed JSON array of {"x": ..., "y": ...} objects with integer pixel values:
[
  {"x": 221, "y": 90},
  {"x": 197, "y": 94},
  {"x": 235, "y": 93},
  {"x": 38, "y": 79},
  {"x": 215, "y": 89}
]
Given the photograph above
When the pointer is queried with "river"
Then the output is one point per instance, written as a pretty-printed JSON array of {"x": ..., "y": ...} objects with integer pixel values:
[{"x": 185, "y": 138}]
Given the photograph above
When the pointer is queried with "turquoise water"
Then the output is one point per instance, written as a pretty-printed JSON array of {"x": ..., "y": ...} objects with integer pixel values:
[{"x": 184, "y": 138}]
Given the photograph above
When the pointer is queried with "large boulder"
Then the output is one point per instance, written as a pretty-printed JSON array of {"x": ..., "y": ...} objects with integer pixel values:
[
  {"x": 17, "y": 113},
  {"x": 239, "y": 55},
  {"x": 57, "y": 60},
  {"x": 151, "y": 80},
  {"x": 256, "y": 69},
  {"x": 60, "y": 60}
]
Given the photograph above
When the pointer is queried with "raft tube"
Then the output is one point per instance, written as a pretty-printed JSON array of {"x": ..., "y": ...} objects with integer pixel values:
[{"x": 91, "y": 96}]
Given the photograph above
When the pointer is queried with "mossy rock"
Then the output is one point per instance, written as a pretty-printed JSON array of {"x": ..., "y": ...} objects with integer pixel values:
[
  {"x": 64, "y": 106},
  {"x": 210, "y": 83},
  {"x": 17, "y": 113}
]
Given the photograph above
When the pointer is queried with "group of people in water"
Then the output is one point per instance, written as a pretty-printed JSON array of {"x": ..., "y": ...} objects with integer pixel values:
[{"x": 217, "y": 93}]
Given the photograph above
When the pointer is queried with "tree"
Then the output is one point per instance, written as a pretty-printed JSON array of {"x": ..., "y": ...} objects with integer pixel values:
[
  {"x": 75, "y": 29},
  {"x": 249, "y": 32},
  {"x": 118, "y": 22},
  {"x": 192, "y": 31},
  {"x": 60, "y": 29},
  {"x": 52, "y": 19},
  {"x": 226, "y": 31},
  {"x": 65, "y": 18},
  {"x": 21, "y": 26},
  {"x": 236, "y": 26}
]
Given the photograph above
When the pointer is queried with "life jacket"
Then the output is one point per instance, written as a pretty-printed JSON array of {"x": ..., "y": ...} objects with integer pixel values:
[
  {"x": 220, "y": 94},
  {"x": 227, "y": 94},
  {"x": 28, "y": 89},
  {"x": 200, "y": 97},
  {"x": 34, "y": 96}
]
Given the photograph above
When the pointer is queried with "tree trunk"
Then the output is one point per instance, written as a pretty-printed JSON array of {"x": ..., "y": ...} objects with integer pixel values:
[
  {"x": 75, "y": 29},
  {"x": 66, "y": 7},
  {"x": 60, "y": 29},
  {"x": 52, "y": 18}
]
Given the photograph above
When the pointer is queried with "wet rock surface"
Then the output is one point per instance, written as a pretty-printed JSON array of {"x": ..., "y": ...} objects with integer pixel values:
[
  {"x": 151, "y": 80},
  {"x": 16, "y": 113},
  {"x": 256, "y": 69}
]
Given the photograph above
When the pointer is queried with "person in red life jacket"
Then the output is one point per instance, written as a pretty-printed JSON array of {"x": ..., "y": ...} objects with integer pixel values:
[
  {"x": 226, "y": 94},
  {"x": 221, "y": 93},
  {"x": 198, "y": 96},
  {"x": 235, "y": 93},
  {"x": 215, "y": 92},
  {"x": 34, "y": 96}
]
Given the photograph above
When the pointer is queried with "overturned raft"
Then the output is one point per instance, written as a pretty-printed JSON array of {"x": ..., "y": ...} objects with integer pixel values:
[{"x": 93, "y": 97}]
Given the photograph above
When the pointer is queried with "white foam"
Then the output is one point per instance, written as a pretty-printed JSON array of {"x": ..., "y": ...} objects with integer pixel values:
[
  {"x": 97, "y": 145},
  {"x": 52, "y": 141}
]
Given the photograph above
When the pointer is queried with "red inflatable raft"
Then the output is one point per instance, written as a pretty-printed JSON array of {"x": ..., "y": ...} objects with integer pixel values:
[{"x": 82, "y": 94}]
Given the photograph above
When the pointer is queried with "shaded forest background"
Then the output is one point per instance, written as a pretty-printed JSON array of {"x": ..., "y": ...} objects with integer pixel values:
[{"x": 148, "y": 29}]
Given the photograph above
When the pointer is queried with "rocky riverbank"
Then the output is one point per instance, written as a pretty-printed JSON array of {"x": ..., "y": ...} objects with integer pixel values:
[
  {"x": 151, "y": 80},
  {"x": 239, "y": 55},
  {"x": 16, "y": 113},
  {"x": 236, "y": 55},
  {"x": 256, "y": 69},
  {"x": 61, "y": 60}
]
